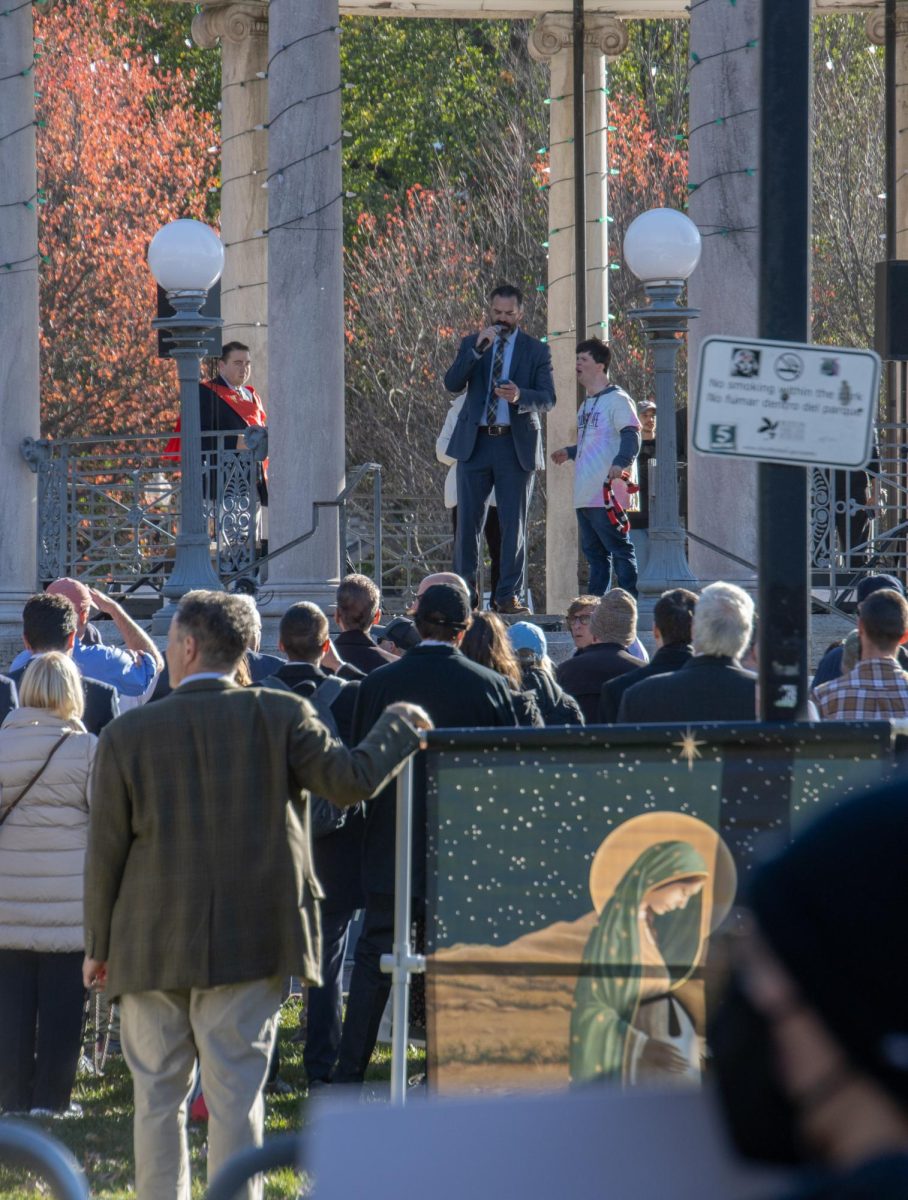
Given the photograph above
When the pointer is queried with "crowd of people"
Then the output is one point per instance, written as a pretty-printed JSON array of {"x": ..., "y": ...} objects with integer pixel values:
[
  {"x": 232, "y": 778},
  {"x": 188, "y": 835}
]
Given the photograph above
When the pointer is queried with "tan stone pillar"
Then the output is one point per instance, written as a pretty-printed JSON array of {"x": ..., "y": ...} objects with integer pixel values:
[
  {"x": 724, "y": 159},
  {"x": 241, "y": 31},
  {"x": 19, "y": 265},
  {"x": 551, "y": 42},
  {"x": 876, "y": 32}
]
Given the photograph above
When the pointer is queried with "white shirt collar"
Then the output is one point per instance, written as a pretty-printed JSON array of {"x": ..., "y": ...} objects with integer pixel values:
[{"x": 207, "y": 675}]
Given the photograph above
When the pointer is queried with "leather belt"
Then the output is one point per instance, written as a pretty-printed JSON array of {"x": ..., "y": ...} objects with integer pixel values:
[{"x": 495, "y": 430}]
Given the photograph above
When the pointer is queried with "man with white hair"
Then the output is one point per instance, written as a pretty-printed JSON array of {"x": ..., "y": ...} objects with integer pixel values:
[{"x": 713, "y": 686}]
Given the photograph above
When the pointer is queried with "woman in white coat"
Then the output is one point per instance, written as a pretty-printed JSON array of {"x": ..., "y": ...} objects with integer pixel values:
[{"x": 45, "y": 762}]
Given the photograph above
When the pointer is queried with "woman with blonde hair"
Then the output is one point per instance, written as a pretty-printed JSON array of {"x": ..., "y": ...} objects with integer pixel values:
[{"x": 46, "y": 756}]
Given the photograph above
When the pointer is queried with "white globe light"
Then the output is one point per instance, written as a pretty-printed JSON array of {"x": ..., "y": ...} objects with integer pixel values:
[
  {"x": 186, "y": 256},
  {"x": 662, "y": 246}
]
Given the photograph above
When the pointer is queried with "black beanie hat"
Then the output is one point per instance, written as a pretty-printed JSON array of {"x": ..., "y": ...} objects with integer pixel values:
[{"x": 834, "y": 908}]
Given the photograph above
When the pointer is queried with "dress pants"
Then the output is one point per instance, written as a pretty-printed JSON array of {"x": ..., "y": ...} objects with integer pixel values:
[
  {"x": 230, "y": 1029},
  {"x": 324, "y": 1005},
  {"x": 492, "y": 532},
  {"x": 41, "y": 1004},
  {"x": 369, "y": 986},
  {"x": 493, "y": 464}
]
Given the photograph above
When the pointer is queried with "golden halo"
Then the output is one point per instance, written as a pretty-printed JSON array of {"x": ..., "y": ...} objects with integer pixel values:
[{"x": 624, "y": 845}]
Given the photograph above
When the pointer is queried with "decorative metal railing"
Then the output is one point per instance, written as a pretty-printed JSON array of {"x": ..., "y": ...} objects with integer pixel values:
[
  {"x": 108, "y": 510},
  {"x": 859, "y": 520},
  {"x": 108, "y": 507}
]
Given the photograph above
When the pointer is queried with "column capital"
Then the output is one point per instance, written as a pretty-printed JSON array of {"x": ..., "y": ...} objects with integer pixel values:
[
  {"x": 553, "y": 32},
  {"x": 230, "y": 21},
  {"x": 875, "y": 24}
]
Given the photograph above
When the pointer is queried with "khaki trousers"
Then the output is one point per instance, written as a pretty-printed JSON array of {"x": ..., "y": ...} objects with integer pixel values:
[{"x": 231, "y": 1030}]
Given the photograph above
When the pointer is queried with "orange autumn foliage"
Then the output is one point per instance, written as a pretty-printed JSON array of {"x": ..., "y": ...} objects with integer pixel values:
[{"x": 120, "y": 153}]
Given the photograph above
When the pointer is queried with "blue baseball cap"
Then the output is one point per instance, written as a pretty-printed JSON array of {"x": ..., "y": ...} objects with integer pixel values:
[{"x": 526, "y": 636}]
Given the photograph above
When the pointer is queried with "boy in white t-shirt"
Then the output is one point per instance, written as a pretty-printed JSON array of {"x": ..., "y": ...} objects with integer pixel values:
[{"x": 608, "y": 442}]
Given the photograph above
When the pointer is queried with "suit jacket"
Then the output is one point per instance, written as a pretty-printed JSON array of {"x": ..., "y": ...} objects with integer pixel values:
[
  {"x": 102, "y": 703},
  {"x": 583, "y": 674},
  {"x": 338, "y": 856},
  {"x": 706, "y": 689},
  {"x": 456, "y": 693},
  {"x": 358, "y": 649},
  {"x": 199, "y": 870},
  {"x": 664, "y": 661},
  {"x": 531, "y": 370},
  {"x": 8, "y": 697}
]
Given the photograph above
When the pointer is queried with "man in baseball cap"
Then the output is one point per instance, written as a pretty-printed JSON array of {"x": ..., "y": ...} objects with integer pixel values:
[{"x": 457, "y": 693}]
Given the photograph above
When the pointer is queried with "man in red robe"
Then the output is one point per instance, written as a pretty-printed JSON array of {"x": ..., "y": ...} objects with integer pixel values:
[{"x": 227, "y": 402}]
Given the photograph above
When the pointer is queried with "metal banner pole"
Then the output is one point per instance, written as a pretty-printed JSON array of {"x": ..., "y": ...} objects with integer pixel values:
[
  {"x": 401, "y": 963},
  {"x": 783, "y": 602}
]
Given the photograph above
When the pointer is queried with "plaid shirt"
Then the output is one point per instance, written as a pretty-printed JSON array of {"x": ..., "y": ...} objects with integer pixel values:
[{"x": 875, "y": 690}]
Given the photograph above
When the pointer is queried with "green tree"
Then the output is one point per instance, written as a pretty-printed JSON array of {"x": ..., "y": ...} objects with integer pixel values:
[{"x": 424, "y": 94}]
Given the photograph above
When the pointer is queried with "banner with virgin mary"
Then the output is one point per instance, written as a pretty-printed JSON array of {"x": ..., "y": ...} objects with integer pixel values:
[{"x": 582, "y": 886}]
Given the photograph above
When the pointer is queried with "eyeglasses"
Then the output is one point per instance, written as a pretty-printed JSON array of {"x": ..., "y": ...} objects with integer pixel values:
[{"x": 580, "y": 619}]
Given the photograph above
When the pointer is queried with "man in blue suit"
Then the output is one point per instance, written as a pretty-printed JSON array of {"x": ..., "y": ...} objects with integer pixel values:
[{"x": 497, "y": 440}]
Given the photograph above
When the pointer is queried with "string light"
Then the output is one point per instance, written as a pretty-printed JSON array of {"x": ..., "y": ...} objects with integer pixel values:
[
  {"x": 23, "y": 74},
  {"x": 302, "y": 38},
  {"x": 8, "y": 12},
  {"x": 305, "y": 158},
  {"x": 749, "y": 171},
  {"x": 696, "y": 59},
  {"x": 717, "y": 121}
]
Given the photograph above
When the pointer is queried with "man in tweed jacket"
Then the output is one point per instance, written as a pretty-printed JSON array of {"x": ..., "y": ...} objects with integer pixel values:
[{"x": 200, "y": 895}]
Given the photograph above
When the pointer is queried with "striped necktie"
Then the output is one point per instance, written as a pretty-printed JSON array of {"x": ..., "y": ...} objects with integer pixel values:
[{"x": 497, "y": 368}]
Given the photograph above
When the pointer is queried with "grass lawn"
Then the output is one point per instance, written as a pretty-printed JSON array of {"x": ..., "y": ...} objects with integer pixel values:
[{"x": 102, "y": 1139}]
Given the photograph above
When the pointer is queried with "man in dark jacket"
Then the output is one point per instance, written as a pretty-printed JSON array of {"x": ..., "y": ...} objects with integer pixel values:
[
  {"x": 49, "y": 623},
  {"x": 338, "y": 853},
  {"x": 613, "y": 627},
  {"x": 672, "y": 622},
  {"x": 712, "y": 686},
  {"x": 456, "y": 693},
  {"x": 358, "y": 610}
]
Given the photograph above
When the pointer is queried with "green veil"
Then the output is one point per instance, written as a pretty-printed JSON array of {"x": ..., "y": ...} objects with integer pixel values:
[{"x": 605, "y": 1001}]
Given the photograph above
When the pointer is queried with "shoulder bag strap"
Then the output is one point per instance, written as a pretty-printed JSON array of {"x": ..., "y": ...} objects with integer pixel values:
[{"x": 34, "y": 779}]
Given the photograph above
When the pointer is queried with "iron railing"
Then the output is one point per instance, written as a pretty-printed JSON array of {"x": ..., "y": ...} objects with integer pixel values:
[
  {"x": 108, "y": 507},
  {"x": 108, "y": 510}
]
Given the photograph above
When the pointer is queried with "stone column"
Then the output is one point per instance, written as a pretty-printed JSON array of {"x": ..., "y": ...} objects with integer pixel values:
[
  {"x": 306, "y": 289},
  {"x": 551, "y": 42},
  {"x": 722, "y": 502},
  {"x": 876, "y": 33},
  {"x": 19, "y": 264},
  {"x": 241, "y": 30}
]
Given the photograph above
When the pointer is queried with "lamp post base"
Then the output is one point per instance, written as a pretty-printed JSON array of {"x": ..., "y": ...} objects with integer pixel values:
[{"x": 666, "y": 563}]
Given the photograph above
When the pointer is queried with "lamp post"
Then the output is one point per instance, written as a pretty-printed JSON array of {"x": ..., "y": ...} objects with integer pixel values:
[
  {"x": 187, "y": 258},
  {"x": 662, "y": 248}
]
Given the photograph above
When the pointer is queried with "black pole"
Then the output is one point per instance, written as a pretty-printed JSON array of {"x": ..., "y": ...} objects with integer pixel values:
[
  {"x": 579, "y": 174},
  {"x": 783, "y": 592}
]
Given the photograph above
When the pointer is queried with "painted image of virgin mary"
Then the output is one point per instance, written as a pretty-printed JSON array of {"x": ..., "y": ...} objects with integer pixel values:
[{"x": 633, "y": 1023}]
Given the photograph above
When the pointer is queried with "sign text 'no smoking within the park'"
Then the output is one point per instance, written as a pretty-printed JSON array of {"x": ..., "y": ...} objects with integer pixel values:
[{"x": 784, "y": 402}]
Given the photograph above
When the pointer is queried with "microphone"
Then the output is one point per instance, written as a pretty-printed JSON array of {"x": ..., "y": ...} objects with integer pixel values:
[{"x": 484, "y": 343}]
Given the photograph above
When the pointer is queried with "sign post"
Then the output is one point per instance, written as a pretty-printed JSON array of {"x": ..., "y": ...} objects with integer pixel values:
[{"x": 783, "y": 594}]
